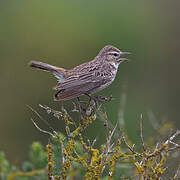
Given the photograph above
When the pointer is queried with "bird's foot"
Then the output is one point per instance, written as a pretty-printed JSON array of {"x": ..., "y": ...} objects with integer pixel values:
[{"x": 103, "y": 98}]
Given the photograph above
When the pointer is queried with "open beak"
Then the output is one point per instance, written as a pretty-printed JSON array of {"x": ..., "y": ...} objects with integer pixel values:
[
  {"x": 124, "y": 53},
  {"x": 123, "y": 59}
]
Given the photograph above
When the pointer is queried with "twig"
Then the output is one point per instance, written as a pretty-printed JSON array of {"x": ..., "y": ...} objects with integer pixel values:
[
  {"x": 41, "y": 130},
  {"x": 74, "y": 108},
  {"x": 110, "y": 136},
  {"x": 172, "y": 137},
  {"x": 174, "y": 148},
  {"x": 129, "y": 147},
  {"x": 177, "y": 173},
  {"x": 40, "y": 117},
  {"x": 141, "y": 133},
  {"x": 165, "y": 144}
]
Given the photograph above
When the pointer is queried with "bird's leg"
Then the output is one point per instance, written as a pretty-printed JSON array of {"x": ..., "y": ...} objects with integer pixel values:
[
  {"x": 80, "y": 103},
  {"x": 99, "y": 98},
  {"x": 80, "y": 109},
  {"x": 91, "y": 98}
]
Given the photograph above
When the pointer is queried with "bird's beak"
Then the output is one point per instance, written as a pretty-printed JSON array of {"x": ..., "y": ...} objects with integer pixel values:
[
  {"x": 123, "y": 59},
  {"x": 125, "y": 53}
]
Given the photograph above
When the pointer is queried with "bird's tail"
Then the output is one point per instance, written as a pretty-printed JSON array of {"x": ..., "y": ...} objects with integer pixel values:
[
  {"x": 58, "y": 72},
  {"x": 43, "y": 66}
]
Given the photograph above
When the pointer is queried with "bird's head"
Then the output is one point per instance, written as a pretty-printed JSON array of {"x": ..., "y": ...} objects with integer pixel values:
[{"x": 113, "y": 54}]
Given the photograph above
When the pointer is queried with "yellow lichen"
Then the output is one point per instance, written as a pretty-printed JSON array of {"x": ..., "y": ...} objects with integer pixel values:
[
  {"x": 12, "y": 176},
  {"x": 149, "y": 163},
  {"x": 50, "y": 159}
]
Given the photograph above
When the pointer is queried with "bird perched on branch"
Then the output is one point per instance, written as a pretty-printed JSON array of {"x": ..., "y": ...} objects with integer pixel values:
[{"x": 86, "y": 78}]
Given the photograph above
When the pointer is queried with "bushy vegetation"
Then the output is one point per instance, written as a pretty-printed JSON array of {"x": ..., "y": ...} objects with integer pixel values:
[{"x": 72, "y": 157}]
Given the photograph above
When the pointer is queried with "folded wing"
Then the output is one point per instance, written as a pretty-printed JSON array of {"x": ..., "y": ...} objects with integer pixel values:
[{"x": 74, "y": 86}]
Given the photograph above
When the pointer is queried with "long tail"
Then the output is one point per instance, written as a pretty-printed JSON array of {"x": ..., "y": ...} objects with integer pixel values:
[
  {"x": 43, "y": 66},
  {"x": 59, "y": 73}
]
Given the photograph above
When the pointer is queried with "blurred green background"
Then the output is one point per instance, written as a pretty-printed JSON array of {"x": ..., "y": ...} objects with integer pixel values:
[{"x": 68, "y": 33}]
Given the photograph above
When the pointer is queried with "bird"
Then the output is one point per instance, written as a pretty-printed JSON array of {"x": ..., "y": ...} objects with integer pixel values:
[{"x": 87, "y": 78}]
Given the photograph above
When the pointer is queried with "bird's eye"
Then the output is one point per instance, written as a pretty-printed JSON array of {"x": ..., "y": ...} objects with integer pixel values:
[{"x": 115, "y": 54}]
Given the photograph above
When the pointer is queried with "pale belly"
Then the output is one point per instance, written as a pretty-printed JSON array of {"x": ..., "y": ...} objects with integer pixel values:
[{"x": 104, "y": 85}]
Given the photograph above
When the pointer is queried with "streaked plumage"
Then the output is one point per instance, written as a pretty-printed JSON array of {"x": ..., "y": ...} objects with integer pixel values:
[{"x": 86, "y": 78}]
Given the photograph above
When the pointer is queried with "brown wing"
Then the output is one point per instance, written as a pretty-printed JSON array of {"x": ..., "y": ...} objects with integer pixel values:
[
  {"x": 81, "y": 80},
  {"x": 76, "y": 89}
]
